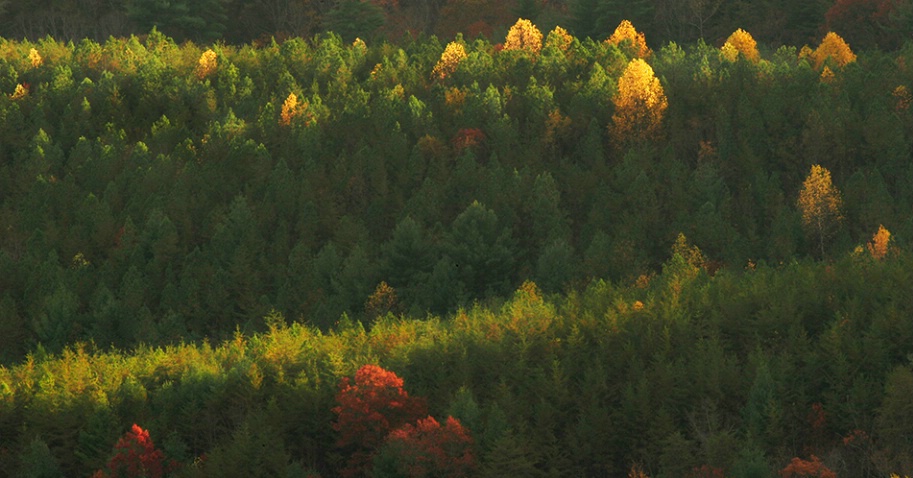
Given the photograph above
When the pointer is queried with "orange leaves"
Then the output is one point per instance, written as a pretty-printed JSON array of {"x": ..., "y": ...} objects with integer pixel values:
[
  {"x": 639, "y": 104},
  {"x": 740, "y": 42},
  {"x": 625, "y": 32},
  {"x": 524, "y": 36},
  {"x": 834, "y": 48},
  {"x": 880, "y": 244},
  {"x": 206, "y": 65},
  {"x": 450, "y": 60},
  {"x": 812, "y": 468}
]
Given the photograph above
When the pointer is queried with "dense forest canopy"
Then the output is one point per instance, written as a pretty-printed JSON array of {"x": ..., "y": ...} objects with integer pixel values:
[
  {"x": 864, "y": 23},
  {"x": 549, "y": 253}
]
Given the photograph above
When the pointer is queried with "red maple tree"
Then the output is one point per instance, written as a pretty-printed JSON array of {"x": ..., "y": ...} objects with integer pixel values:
[
  {"x": 428, "y": 449},
  {"x": 135, "y": 456},
  {"x": 369, "y": 410}
]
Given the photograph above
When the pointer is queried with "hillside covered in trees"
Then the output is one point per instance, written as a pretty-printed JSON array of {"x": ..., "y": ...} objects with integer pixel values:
[{"x": 547, "y": 256}]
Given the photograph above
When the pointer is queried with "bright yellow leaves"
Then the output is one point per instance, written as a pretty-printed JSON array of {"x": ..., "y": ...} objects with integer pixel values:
[
  {"x": 740, "y": 42},
  {"x": 833, "y": 47},
  {"x": 290, "y": 110},
  {"x": 880, "y": 244},
  {"x": 20, "y": 92},
  {"x": 819, "y": 201},
  {"x": 35, "y": 58},
  {"x": 625, "y": 32},
  {"x": 524, "y": 36},
  {"x": 207, "y": 64},
  {"x": 639, "y": 104},
  {"x": 827, "y": 75},
  {"x": 450, "y": 60}
]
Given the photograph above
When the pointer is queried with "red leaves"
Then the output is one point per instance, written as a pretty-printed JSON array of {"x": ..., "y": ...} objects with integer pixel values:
[
  {"x": 135, "y": 456},
  {"x": 812, "y": 468},
  {"x": 369, "y": 410},
  {"x": 427, "y": 449}
]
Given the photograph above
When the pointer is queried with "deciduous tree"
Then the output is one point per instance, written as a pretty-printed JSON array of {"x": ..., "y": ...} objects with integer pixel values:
[
  {"x": 820, "y": 203},
  {"x": 639, "y": 103}
]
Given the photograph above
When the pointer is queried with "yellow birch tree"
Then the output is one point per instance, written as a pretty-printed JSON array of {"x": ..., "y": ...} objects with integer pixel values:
[
  {"x": 819, "y": 201},
  {"x": 741, "y": 42},
  {"x": 626, "y": 32},
  {"x": 524, "y": 36}
]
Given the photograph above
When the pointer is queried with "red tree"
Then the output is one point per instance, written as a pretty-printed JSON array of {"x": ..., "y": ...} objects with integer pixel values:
[
  {"x": 369, "y": 410},
  {"x": 812, "y": 468},
  {"x": 135, "y": 456},
  {"x": 427, "y": 449}
]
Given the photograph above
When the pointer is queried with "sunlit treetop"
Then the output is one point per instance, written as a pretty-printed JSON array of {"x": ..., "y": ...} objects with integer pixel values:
[
  {"x": 740, "y": 42},
  {"x": 35, "y": 58},
  {"x": 626, "y": 32},
  {"x": 20, "y": 92},
  {"x": 827, "y": 75},
  {"x": 207, "y": 64},
  {"x": 880, "y": 244},
  {"x": 524, "y": 36},
  {"x": 450, "y": 60},
  {"x": 835, "y": 48},
  {"x": 639, "y": 103},
  {"x": 560, "y": 38}
]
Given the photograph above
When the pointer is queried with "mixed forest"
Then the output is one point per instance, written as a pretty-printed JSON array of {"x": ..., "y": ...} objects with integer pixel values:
[{"x": 519, "y": 252}]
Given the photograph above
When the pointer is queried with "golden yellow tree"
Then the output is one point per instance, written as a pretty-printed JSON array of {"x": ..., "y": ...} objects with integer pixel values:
[
  {"x": 880, "y": 244},
  {"x": 290, "y": 109},
  {"x": 206, "y": 64},
  {"x": 450, "y": 60},
  {"x": 741, "y": 42},
  {"x": 835, "y": 48},
  {"x": 626, "y": 32},
  {"x": 639, "y": 103},
  {"x": 20, "y": 92},
  {"x": 819, "y": 201},
  {"x": 35, "y": 58},
  {"x": 524, "y": 36}
]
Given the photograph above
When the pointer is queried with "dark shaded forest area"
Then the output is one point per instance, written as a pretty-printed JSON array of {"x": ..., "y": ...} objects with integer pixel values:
[{"x": 551, "y": 255}]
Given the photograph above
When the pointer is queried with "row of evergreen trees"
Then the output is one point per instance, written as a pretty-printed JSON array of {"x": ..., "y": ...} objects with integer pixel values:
[{"x": 154, "y": 192}]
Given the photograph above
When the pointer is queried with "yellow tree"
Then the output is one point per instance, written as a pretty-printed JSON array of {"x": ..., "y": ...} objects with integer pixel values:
[
  {"x": 880, "y": 244},
  {"x": 639, "y": 103},
  {"x": 524, "y": 36},
  {"x": 819, "y": 201},
  {"x": 626, "y": 32},
  {"x": 206, "y": 64},
  {"x": 450, "y": 60},
  {"x": 835, "y": 48},
  {"x": 741, "y": 42}
]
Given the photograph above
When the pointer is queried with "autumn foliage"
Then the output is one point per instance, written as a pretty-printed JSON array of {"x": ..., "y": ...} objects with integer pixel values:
[
  {"x": 450, "y": 60},
  {"x": 369, "y": 409},
  {"x": 879, "y": 245},
  {"x": 625, "y": 32},
  {"x": 820, "y": 203},
  {"x": 639, "y": 103},
  {"x": 833, "y": 47},
  {"x": 524, "y": 36},
  {"x": 207, "y": 64},
  {"x": 811, "y": 468},
  {"x": 35, "y": 58},
  {"x": 135, "y": 456},
  {"x": 427, "y": 449},
  {"x": 741, "y": 42}
]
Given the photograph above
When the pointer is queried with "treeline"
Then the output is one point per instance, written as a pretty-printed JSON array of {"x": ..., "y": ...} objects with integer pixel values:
[
  {"x": 805, "y": 369},
  {"x": 156, "y": 193},
  {"x": 864, "y": 23}
]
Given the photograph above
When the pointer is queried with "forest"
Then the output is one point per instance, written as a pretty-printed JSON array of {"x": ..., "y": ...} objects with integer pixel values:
[{"x": 520, "y": 252}]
